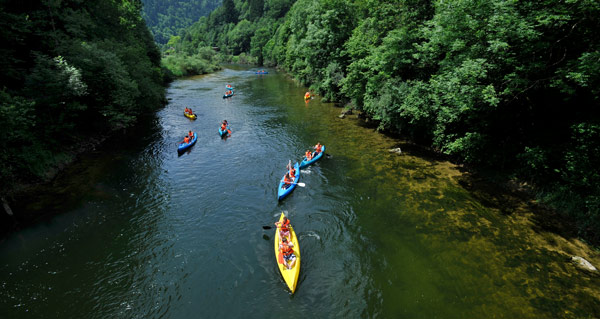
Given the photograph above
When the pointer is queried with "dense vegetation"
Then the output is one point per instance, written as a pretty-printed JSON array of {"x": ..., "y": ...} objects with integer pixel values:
[
  {"x": 508, "y": 85},
  {"x": 71, "y": 70},
  {"x": 166, "y": 18}
]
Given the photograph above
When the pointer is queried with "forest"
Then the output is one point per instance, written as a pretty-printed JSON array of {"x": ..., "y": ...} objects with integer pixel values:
[
  {"x": 510, "y": 88},
  {"x": 166, "y": 18},
  {"x": 73, "y": 71}
]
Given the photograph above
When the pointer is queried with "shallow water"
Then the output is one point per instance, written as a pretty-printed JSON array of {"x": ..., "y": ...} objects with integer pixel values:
[{"x": 142, "y": 232}]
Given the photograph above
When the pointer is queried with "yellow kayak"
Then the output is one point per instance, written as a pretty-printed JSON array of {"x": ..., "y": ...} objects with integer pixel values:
[
  {"x": 289, "y": 275},
  {"x": 193, "y": 116}
]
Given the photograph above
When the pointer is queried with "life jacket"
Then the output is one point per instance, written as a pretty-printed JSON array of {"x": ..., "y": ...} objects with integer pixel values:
[
  {"x": 223, "y": 127},
  {"x": 293, "y": 174},
  {"x": 284, "y": 226},
  {"x": 191, "y": 134},
  {"x": 308, "y": 155},
  {"x": 287, "y": 180},
  {"x": 186, "y": 139},
  {"x": 319, "y": 147},
  {"x": 286, "y": 250}
]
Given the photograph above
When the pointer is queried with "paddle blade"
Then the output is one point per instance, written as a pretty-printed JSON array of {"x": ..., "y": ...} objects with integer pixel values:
[
  {"x": 229, "y": 131},
  {"x": 267, "y": 227},
  {"x": 280, "y": 258},
  {"x": 301, "y": 184}
]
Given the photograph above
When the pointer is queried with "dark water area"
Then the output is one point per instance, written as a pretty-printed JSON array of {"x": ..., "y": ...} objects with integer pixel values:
[{"x": 141, "y": 232}]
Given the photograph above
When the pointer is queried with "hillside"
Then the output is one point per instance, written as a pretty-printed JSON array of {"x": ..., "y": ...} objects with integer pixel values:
[{"x": 166, "y": 18}]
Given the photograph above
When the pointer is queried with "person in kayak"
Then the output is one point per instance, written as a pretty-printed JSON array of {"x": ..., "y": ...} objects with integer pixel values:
[
  {"x": 308, "y": 155},
  {"x": 318, "y": 149},
  {"x": 307, "y": 96},
  {"x": 287, "y": 180},
  {"x": 291, "y": 170},
  {"x": 191, "y": 134},
  {"x": 284, "y": 228},
  {"x": 223, "y": 126},
  {"x": 186, "y": 139},
  {"x": 285, "y": 247}
]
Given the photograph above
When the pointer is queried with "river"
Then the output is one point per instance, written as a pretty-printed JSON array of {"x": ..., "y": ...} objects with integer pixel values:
[{"x": 136, "y": 231}]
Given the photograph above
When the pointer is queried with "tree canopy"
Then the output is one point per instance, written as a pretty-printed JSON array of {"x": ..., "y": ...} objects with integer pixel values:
[
  {"x": 71, "y": 69},
  {"x": 166, "y": 18}
]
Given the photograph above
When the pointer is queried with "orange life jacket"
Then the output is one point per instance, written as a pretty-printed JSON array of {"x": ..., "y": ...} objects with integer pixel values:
[
  {"x": 284, "y": 226},
  {"x": 286, "y": 250},
  {"x": 308, "y": 155},
  {"x": 287, "y": 180},
  {"x": 293, "y": 174},
  {"x": 186, "y": 139},
  {"x": 223, "y": 127},
  {"x": 319, "y": 148},
  {"x": 191, "y": 134}
]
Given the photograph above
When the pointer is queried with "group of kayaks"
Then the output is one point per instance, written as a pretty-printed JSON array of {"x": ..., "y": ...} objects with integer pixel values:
[
  {"x": 189, "y": 114},
  {"x": 289, "y": 271},
  {"x": 290, "y": 275},
  {"x": 283, "y": 191},
  {"x": 229, "y": 92}
]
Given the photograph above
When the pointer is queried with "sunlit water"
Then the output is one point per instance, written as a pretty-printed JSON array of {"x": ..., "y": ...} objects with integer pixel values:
[{"x": 144, "y": 233}]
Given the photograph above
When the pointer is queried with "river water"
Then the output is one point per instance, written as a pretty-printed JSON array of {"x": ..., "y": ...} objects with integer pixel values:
[{"x": 140, "y": 232}]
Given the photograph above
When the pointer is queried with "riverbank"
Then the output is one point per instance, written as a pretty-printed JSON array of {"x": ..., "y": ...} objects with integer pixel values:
[{"x": 543, "y": 226}]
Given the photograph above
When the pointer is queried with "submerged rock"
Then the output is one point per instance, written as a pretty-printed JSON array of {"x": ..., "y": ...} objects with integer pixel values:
[
  {"x": 584, "y": 264},
  {"x": 347, "y": 112},
  {"x": 396, "y": 150}
]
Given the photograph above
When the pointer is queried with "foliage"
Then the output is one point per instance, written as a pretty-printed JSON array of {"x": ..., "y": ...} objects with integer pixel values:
[
  {"x": 167, "y": 18},
  {"x": 72, "y": 69},
  {"x": 183, "y": 65}
]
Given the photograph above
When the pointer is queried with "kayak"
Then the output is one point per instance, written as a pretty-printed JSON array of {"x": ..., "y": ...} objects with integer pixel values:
[
  {"x": 305, "y": 163},
  {"x": 263, "y": 72},
  {"x": 228, "y": 87},
  {"x": 223, "y": 133},
  {"x": 193, "y": 116},
  {"x": 283, "y": 192},
  {"x": 184, "y": 146},
  {"x": 290, "y": 276},
  {"x": 227, "y": 95}
]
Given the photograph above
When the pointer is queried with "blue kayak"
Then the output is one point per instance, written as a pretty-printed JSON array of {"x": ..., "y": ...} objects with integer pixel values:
[
  {"x": 305, "y": 163},
  {"x": 184, "y": 146},
  {"x": 228, "y": 95},
  {"x": 283, "y": 192},
  {"x": 229, "y": 87},
  {"x": 223, "y": 133},
  {"x": 264, "y": 72}
]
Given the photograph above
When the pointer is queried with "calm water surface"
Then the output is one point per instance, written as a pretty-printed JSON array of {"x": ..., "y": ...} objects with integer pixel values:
[{"x": 145, "y": 233}]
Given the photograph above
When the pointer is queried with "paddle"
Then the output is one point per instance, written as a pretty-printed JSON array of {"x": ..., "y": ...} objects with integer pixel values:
[{"x": 270, "y": 227}]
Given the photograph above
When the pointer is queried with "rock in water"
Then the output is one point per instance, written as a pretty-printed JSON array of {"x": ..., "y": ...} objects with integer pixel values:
[
  {"x": 583, "y": 263},
  {"x": 396, "y": 150}
]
